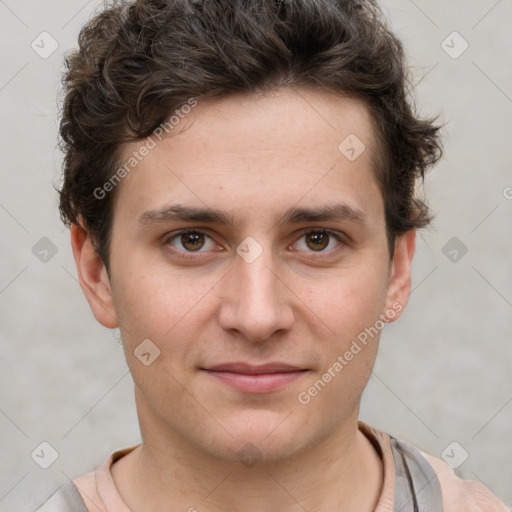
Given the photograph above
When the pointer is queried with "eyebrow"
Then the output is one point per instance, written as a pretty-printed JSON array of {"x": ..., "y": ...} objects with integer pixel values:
[{"x": 294, "y": 215}]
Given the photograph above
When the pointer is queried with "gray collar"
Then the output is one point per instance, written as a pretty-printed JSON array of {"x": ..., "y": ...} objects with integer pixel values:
[{"x": 417, "y": 487}]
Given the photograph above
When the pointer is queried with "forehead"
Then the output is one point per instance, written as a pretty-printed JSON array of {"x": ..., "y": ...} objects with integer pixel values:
[{"x": 249, "y": 151}]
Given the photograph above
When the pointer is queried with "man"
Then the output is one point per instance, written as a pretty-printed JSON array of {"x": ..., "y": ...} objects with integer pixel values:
[{"x": 239, "y": 180}]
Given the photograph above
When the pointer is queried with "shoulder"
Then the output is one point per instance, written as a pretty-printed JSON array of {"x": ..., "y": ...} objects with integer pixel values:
[
  {"x": 431, "y": 475},
  {"x": 463, "y": 495},
  {"x": 88, "y": 491}
]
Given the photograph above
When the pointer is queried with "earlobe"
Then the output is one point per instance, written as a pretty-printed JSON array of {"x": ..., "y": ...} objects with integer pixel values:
[
  {"x": 399, "y": 285},
  {"x": 93, "y": 277}
]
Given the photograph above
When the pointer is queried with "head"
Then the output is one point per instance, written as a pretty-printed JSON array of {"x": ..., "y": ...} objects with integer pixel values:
[{"x": 269, "y": 117}]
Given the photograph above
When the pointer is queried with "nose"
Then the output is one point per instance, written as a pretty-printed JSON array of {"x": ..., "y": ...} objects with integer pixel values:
[{"x": 256, "y": 302}]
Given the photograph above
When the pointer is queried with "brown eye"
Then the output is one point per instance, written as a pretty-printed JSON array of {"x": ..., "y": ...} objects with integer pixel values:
[
  {"x": 192, "y": 241},
  {"x": 321, "y": 241},
  {"x": 317, "y": 240}
]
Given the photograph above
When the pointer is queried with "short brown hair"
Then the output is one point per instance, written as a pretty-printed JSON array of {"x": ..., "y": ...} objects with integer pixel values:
[{"x": 138, "y": 62}]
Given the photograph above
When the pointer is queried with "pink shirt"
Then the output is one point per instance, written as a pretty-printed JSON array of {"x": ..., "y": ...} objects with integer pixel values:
[{"x": 100, "y": 494}]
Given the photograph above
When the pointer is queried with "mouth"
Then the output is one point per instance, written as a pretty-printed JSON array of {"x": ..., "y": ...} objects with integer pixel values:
[{"x": 249, "y": 378}]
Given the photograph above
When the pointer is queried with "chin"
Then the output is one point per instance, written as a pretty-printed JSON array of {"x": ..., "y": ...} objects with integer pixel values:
[
  {"x": 251, "y": 451},
  {"x": 261, "y": 437}
]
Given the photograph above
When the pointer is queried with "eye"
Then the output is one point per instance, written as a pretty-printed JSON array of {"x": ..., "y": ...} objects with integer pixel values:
[
  {"x": 187, "y": 242},
  {"x": 317, "y": 240},
  {"x": 191, "y": 241}
]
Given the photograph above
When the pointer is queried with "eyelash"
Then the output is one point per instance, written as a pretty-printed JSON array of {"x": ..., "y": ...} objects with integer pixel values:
[{"x": 194, "y": 255}]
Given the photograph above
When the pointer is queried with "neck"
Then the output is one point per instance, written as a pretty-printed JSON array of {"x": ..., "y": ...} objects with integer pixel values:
[{"x": 341, "y": 472}]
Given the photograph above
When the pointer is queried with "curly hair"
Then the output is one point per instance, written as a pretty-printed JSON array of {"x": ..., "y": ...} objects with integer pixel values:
[{"x": 138, "y": 62}]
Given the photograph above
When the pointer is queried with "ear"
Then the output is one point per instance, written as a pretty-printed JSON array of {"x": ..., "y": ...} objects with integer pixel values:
[
  {"x": 93, "y": 277},
  {"x": 399, "y": 284}
]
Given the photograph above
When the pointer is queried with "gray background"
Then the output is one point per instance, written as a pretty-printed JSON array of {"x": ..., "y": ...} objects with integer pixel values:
[{"x": 444, "y": 370}]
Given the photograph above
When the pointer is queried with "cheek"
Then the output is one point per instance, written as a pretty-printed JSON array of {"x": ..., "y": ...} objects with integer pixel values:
[
  {"x": 350, "y": 307},
  {"x": 160, "y": 302},
  {"x": 158, "y": 314},
  {"x": 349, "y": 300}
]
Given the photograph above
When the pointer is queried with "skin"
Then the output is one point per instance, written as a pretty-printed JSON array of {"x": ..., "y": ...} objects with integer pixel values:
[{"x": 300, "y": 302}]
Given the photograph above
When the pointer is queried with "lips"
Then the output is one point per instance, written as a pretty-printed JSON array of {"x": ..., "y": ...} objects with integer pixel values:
[
  {"x": 249, "y": 378},
  {"x": 249, "y": 369}
]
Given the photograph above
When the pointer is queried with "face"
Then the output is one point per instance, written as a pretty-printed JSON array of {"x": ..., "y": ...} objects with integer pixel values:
[{"x": 251, "y": 238}]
